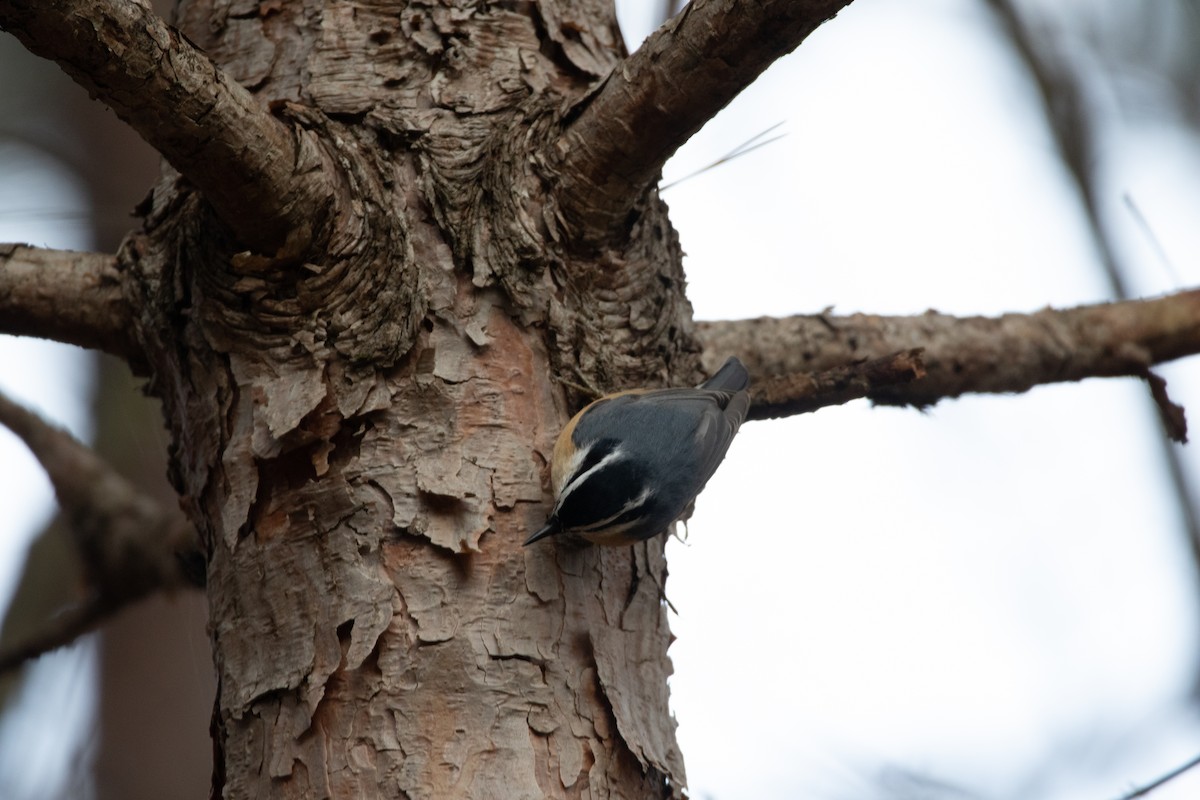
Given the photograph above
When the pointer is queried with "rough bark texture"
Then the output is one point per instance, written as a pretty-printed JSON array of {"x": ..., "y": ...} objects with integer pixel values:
[
  {"x": 362, "y": 441},
  {"x": 802, "y": 392},
  {"x": 69, "y": 297},
  {"x": 1009, "y": 353}
]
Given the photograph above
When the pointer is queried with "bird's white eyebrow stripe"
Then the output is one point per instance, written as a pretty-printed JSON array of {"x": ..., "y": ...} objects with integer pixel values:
[
  {"x": 632, "y": 504},
  {"x": 577, "y": 480},
  {"x": 577, "y": 458}
]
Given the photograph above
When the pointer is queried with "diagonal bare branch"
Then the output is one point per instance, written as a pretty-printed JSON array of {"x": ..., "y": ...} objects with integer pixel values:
[
  {"x": 1009, "y": 353},
  {"x": 129, "y": 543},
  {"x": 1075, "y": 122},
  {"x": 67, "y": 297},
  {"x": 1161, "y": 781},
  {"x": 258, "y": 176},
  {"x": 683, "y": 74},
  {"x": 60, "y": 632}
]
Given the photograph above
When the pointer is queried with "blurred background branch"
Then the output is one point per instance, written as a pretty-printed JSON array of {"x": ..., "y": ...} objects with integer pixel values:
[{"x": 1073, "y": 82}]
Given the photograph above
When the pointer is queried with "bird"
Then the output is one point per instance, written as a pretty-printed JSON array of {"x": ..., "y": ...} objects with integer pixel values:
[{"x": 633, "y": 462}]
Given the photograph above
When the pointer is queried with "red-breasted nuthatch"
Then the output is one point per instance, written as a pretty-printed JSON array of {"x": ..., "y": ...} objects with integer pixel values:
[{"x": 631, "y": 463}]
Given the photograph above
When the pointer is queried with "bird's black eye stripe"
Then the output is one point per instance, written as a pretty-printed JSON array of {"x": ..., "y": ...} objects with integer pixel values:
[
  {"x": 601, "y": 494},
  {"x": 643, "y": 510}
]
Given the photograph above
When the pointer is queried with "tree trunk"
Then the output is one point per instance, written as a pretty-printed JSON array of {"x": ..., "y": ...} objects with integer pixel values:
[
  {"x": 393, "y": 225},
  {"x": 362, "y": 437}
]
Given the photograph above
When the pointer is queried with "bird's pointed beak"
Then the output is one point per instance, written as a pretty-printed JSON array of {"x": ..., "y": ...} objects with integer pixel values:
[{"x": 549, "y": 529}]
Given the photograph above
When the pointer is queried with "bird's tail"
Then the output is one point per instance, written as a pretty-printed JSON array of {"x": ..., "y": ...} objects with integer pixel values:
[{"x": 731, "y": 377}]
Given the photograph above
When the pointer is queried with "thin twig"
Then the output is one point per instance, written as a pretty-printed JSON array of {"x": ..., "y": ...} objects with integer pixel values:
[
  {"x": 652, "y": 102},
  {"x": 58, "y": 632},
  {"x": 1155, "y": 243},
  {"x": 748, "y": 146},
  {"x": 1155, "y": 784},
  {"x": 1174, "y": 421}
]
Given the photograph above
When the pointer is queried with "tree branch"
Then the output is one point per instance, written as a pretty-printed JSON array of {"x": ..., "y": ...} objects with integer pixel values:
[
  {"x": 59, "y": 632},
  {"x": 802, "y": 392},
  {"x": 1142, "y": 791},
  {"x": 682, "y": 75},
  {"x": 1010, "y": 353},
  {"x": 128, "y": 542},
  {"x": 264, "y": 183},
  {"x": 67, "y": 297}
]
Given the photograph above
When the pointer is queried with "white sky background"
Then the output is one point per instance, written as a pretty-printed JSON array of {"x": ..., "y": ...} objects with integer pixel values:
[{"x": 995, "y": 594}]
